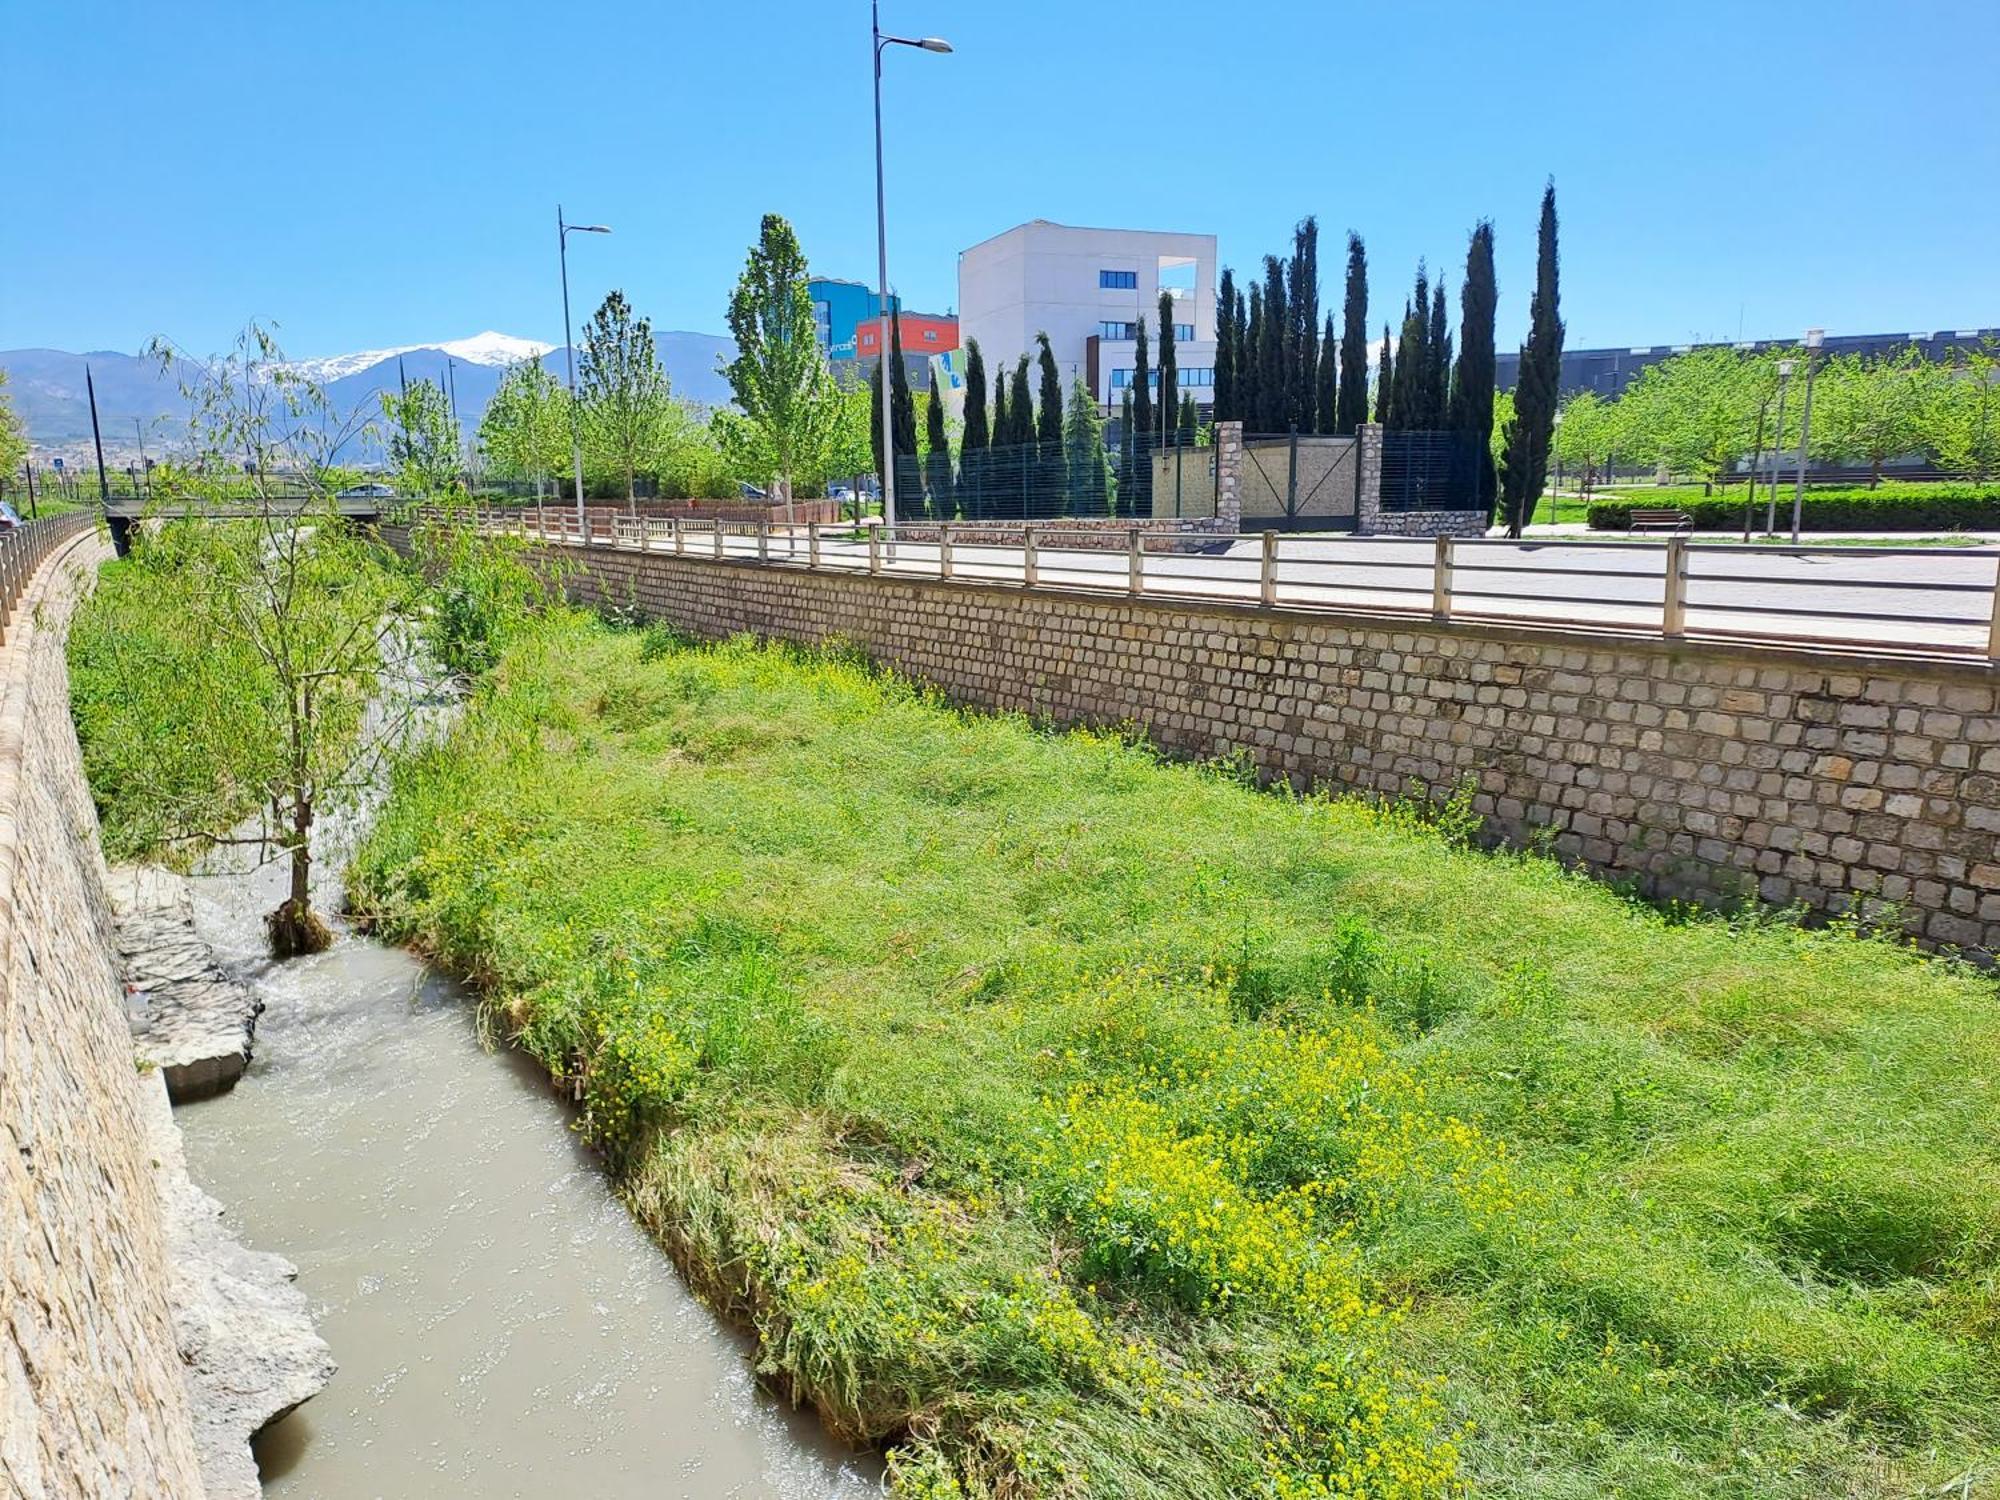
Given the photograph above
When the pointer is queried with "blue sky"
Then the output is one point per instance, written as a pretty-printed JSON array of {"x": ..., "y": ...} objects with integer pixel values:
[{"x": 376, "y": 174}]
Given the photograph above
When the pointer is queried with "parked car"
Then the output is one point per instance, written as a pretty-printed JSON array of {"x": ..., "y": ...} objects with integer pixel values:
[
  {"x": 366, "y": 492},
  {"x": 9, "y": 517},
  {"x": 750, "y": 491}
]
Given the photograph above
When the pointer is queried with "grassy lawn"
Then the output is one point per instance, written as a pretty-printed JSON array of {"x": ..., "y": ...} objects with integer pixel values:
[{"x": 1073, "y": 1124}]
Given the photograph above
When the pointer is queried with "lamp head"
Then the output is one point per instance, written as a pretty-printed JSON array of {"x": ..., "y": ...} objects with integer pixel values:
[
  {"x": 935, "y": 44},
  {"x": 1815, "y": 337},
  {"x": 1785, "y": 367},
  {"x": 591, "y": 228}
]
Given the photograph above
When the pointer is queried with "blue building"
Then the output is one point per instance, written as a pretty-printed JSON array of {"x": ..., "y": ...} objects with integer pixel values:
[{"x": 839, "y": 307}]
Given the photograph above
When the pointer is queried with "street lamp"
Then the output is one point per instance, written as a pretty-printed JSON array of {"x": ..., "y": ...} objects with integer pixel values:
[
  {"x": 1814, "y": 338},
  {"x": 1785, "y": 368},
  {"x": 563, "y": 232},
  {"x": 926, "y": 44}
]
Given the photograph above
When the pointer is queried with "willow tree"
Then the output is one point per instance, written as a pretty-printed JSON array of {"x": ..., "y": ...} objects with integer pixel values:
[{"x": 784, "y": 394}]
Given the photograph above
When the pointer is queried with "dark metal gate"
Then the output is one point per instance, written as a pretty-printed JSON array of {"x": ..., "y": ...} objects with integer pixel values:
[{"x": 1430, "y": 471}]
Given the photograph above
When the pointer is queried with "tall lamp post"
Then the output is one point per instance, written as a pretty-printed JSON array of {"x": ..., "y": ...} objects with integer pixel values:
[
  {"x": 1555, "y": 491},
  {"x": 1785, "y": 367},
  {"x": 1814, "y": 338},
  {"x": 927, "y": 44},
  {"x": 563, "y": 232}
]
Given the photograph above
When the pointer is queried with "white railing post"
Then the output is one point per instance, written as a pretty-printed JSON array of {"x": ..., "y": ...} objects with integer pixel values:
[
  {"x": 763, "y": 541},
  {"x": 1441, "y": 578},
  {"x": 812, "y": 544},
  {"x": 874, "y": 549},
  {"x": 1135, "y": 562},
  {"x": 944, "y": 550},
  {"x": 718, "y": 539},
  {"x": 1267, "y": 571},
  {"x": 680, "y": 537},
  {"x": 1993, "y": 630},
  {"x": 1031, "y": 561},
  {"x": 1673, "y": 610}
]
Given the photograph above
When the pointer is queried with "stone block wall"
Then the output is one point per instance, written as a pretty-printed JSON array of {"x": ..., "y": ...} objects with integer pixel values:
[
  {"x": 93, "y": 1400},
  {"x": 1706, "y": 771}
]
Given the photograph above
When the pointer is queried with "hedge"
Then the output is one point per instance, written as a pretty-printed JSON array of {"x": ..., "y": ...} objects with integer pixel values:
[{"x": 1889, "y": 507}]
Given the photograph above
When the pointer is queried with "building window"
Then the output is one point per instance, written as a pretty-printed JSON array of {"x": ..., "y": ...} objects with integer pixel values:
[
  {"x": 930, "y": 335},
  {"x": 1197, "y": 377},
  {"x": 1122, "y": 332},
  {"x": 1118, "y": 280},
  {"x": 1184, "y": 332}
]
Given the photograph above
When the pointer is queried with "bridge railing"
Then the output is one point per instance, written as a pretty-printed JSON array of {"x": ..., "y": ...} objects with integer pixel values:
[
  {"x": 23, "y": 549},
  {"x": 1923, "y": 600}
]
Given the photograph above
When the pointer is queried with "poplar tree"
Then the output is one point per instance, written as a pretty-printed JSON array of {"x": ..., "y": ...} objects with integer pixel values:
[
  {"x": 784, "y": 394},
  {"x": 1385, "y": 380},
  {"x": 1169, "y": 402},
  {"x": 1139, "y": 437},
  {"x": 937, "y": 462},
  {"x": 1225, "y": 348},
  {"x": 1053, "y": 481},
  {"x": 1271, "y": 358},
  {"x": 1326, "y": 404},
  {"x": 1351, "y": 408},
  {"x": 973, "y": 445},
  {"x": 1302, "y": 334},
  {"x": 1526, "y": 465},
  {"x": 1472, "y": 380}
]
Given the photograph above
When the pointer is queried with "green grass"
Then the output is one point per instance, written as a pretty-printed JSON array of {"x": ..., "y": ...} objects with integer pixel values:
[{"x": 1069, "y": 1123}]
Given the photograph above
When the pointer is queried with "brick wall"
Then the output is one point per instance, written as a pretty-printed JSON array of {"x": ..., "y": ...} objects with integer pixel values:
[
  {"x": 92, "y": 1397},
  {"x": 1703, "y": 771}
]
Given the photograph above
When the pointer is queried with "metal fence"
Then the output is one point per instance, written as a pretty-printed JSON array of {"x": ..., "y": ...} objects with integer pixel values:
[
  {"x": 1424, "y": 470},
  {"x": 1296, "y": 481},
  {"x": 1929, "y": 601},
  {"x": 22, "y": 549}
]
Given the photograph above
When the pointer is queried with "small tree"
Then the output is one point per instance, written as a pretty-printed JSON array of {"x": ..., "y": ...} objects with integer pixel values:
[
  {"x": 1962, "y": 422},
  {"x": 13, "y": 438},
  {"x": 524, "y": 432},
  {"x": 624, "y": 391},
  {"x": 1873, "y": 409},
  {"x": 1083, "y": 441},
  {"x": 423, "y": 439},
  {"x": 779, "y": 377}
]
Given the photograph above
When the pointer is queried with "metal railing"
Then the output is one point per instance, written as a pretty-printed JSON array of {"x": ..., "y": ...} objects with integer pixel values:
[
  {"x": 1927, "y": 600},
  {"x": 22, "y": 550}
]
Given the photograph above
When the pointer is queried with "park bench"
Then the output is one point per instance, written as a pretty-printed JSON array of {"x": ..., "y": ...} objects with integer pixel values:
[{"x": 1675, "y": 521}]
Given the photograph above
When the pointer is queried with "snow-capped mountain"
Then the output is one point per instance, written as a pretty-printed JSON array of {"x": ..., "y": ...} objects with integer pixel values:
[{"x": 488, "y": 348}]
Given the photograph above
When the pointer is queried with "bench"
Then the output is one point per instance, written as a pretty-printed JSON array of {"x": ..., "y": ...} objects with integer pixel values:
[{"x": 1676, "y": 521}]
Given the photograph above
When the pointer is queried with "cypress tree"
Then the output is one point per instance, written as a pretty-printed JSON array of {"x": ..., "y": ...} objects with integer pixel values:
[
  {"x": 1472, "y": 381},
  {"x": 1351, "y": 408},
  {"x": 1190, "y": 420},
  {"x": 937, "y": 463},
  {"x": 1326, "y": 404},
  {"x": 1249, "y": 373},
  {"x": 1000, "y": 487},
  {"x": 1224, "y": 398},
  {"x": 1437, "y": 352},
  {"x": 1170, "y": 401},
  {"x": 972, "y": 447},
  {"x": 903, "y": 416},
  {"x": 1052, "y": 485},
  {"x": 875, "y": 416},
  {"x": 1083, "y": 443},
  {"x": 1272, "y": 358},
  {"x": 1302, "y": 364},
  {"x": 1407, "y": 394},
  {"x": 1140, "y": 437},
  {"x": 1385, "y": 380},
  {"x": 1021, "y": 441},
  {"x": 1525, "y": 467},
  {"x": 1122, "y": 505}
]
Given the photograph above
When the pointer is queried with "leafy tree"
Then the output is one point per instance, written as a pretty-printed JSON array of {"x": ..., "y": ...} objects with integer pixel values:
[
  {"x": 13, "y": 437},
  {"x": 1588, "y": 432},
  {"x": 1225, "y": 348},
  {"x": 1326, "y": 402},
  {"x": 1083, "y": 442},
  {"x": 1302, "y": 331},
  {"x": 1170, "y": 399},
  {"x": 422, "y": 439},
  {"x": 937, "y": 460},
  {"x": 524, "y": 432},
  {"x": 783, "y": 390},
  {"x": 1526, "y": 467},
  {"x": 624, "y": 389},
  {"x": 1054, "y": 480},
  {"x": 1872, "y": 409},
  {"x": 1962, "y": 425},
  {"x": 1351, "y": 406},
  {"x": 1503, "y": 424},
  {"x": 855, "y": 432},
  {"x": 1139, "y": 438},
  {"x": 973, "y": 445},
  {"x": 1473, "y": 380},
  {"x": 1696, "y": 413}
]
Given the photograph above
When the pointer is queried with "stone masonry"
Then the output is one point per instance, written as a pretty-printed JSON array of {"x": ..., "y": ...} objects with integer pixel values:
[{"x": 1705, "y": 771}]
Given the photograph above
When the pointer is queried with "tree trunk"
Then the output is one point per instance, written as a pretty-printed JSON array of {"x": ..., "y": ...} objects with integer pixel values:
[{"x": 295, "y": 928}]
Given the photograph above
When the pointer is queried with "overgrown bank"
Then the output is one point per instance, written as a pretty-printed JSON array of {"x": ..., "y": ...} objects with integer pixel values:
[{"x": 1075, "y": 1124}]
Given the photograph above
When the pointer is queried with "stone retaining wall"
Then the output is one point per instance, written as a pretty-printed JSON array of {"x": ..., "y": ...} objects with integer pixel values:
[
  {"x": 92, "y": 1397},
  {"x": 1700, "y": 770}
]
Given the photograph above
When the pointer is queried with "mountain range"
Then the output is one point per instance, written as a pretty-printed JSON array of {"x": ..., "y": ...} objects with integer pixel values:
[{"x": 139, "y": 404}]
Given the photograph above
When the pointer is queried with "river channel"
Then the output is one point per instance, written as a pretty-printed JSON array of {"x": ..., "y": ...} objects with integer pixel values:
[{"x": 502, "y": 1327}]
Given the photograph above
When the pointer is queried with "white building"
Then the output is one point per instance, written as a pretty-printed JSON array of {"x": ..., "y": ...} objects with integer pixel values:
[{"x": 1088, "y": 289}]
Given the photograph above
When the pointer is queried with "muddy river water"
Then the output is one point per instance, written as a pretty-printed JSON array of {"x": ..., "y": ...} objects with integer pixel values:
[{"x": 502, "y": 1326}]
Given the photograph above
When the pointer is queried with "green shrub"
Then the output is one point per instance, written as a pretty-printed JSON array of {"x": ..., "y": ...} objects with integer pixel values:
[{"x": 1890, "y": 507}]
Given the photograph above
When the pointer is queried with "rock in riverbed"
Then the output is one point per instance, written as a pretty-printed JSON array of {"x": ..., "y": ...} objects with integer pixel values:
[{"x": 188, "y": 1016}]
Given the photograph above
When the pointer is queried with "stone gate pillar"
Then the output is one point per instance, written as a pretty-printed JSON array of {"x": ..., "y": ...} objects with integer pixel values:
[
  {"x": 1229, "y": 476},
  {"x": 1368, "y": 493}
]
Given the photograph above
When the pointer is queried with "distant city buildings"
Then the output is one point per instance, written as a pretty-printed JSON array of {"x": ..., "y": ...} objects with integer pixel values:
[
  {"x": 847, "y": 318},
  {"x": 1088, "y": 289},
  {"x": 1609, "y": 371}
]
